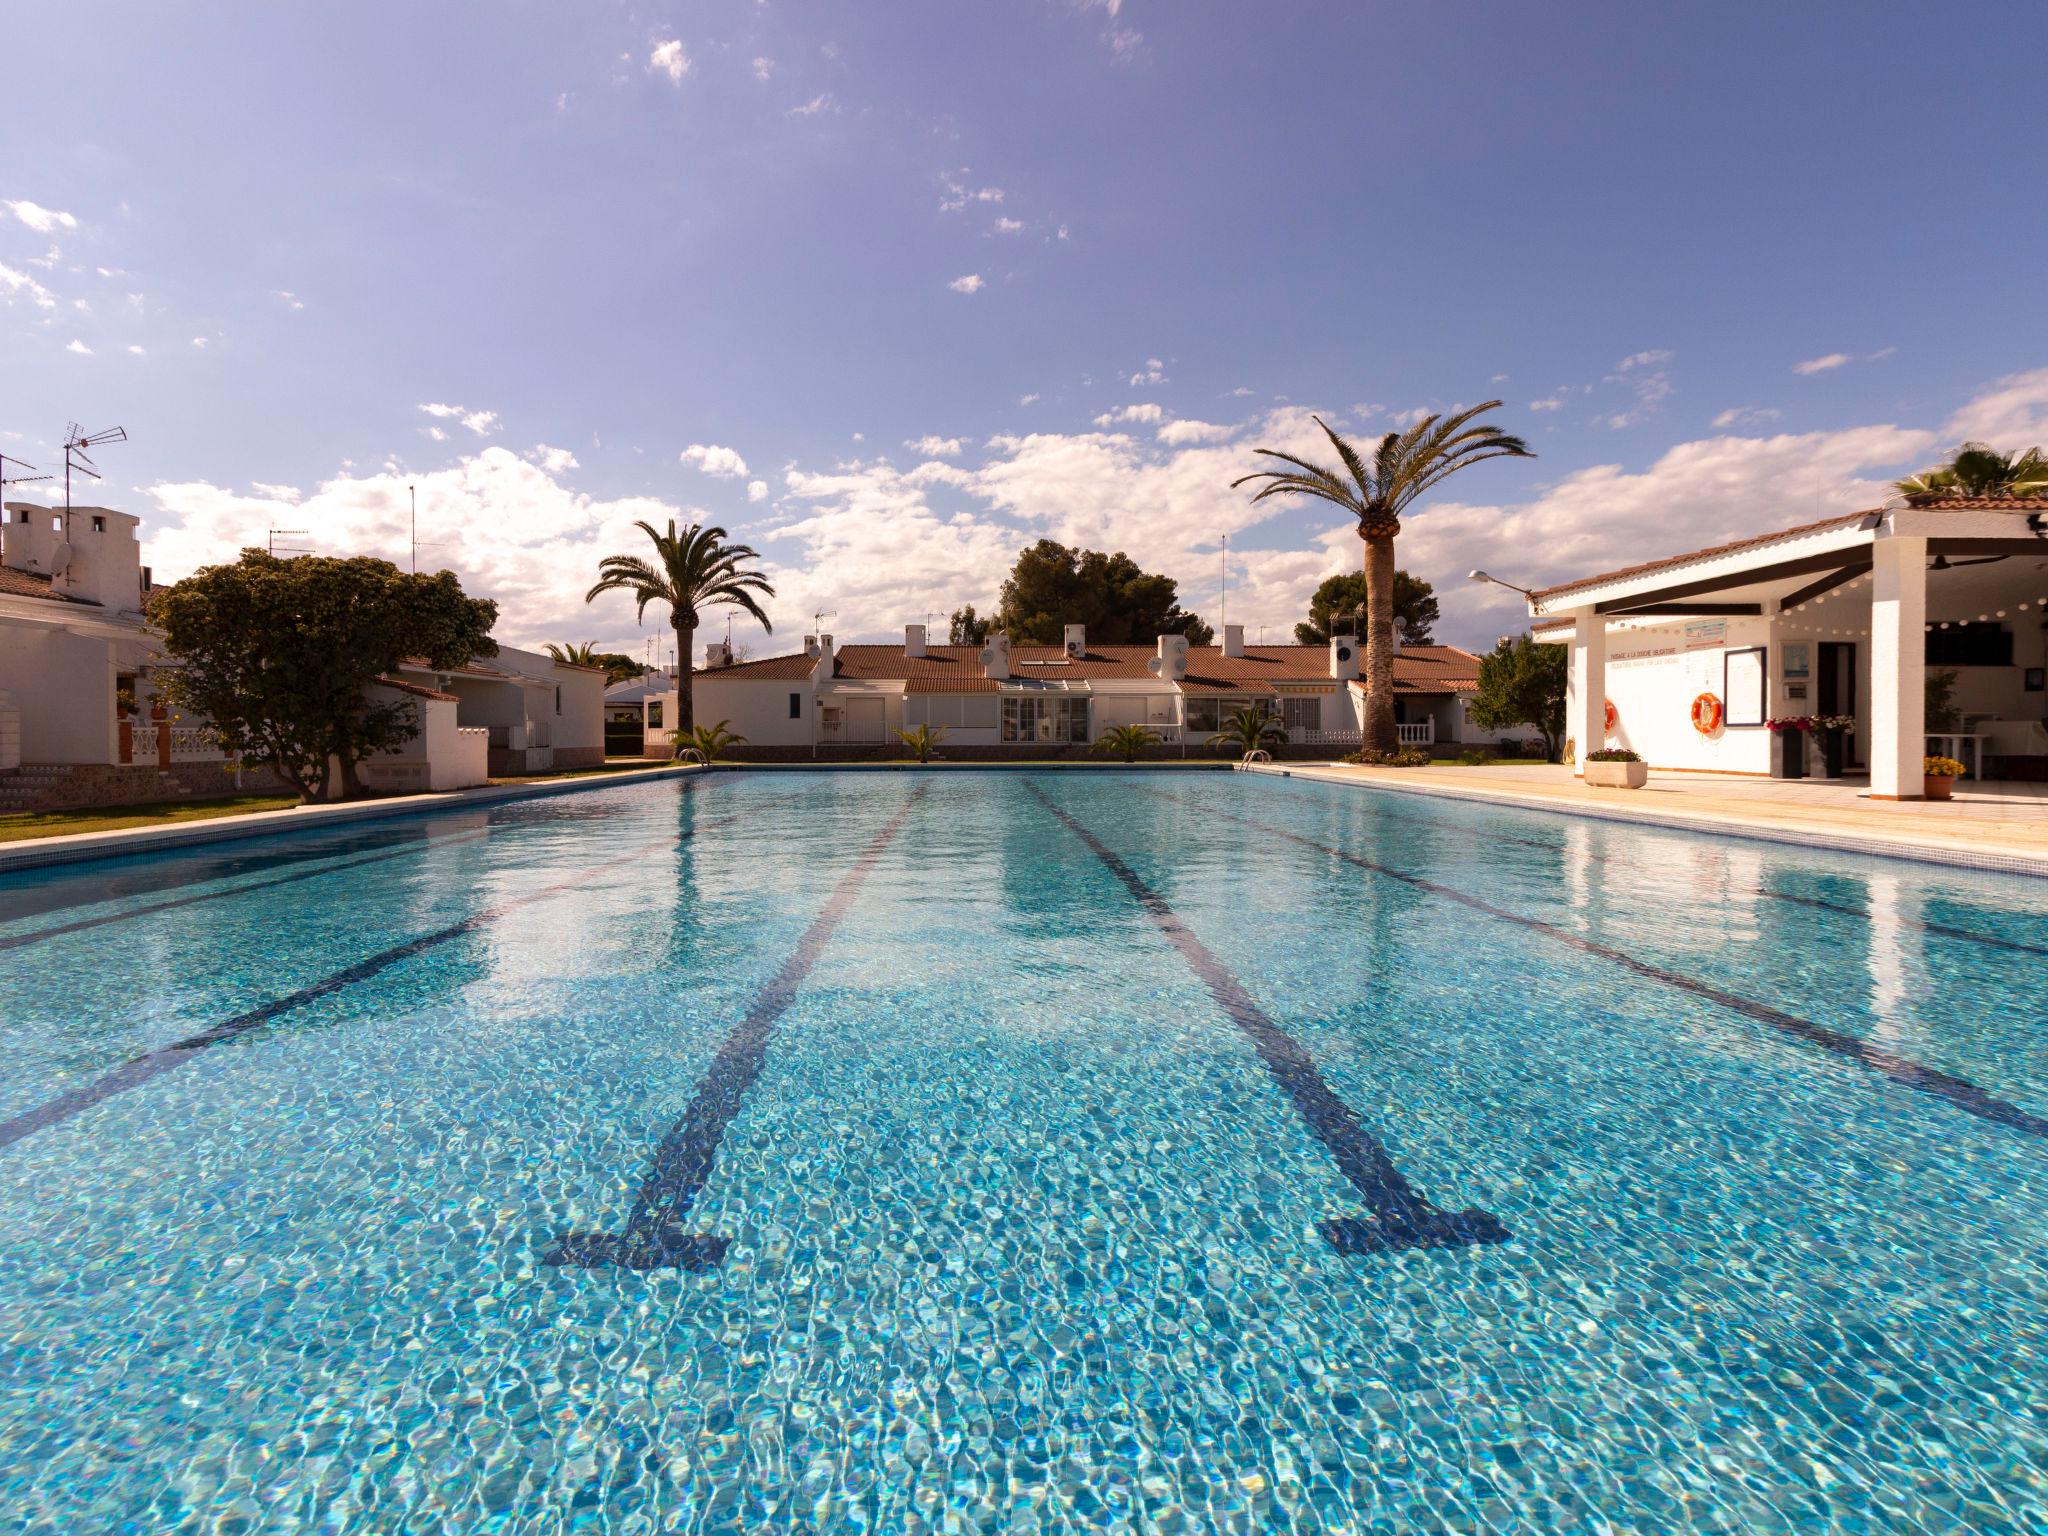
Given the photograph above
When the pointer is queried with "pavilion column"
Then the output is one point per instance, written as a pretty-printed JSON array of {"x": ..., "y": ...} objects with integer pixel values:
[
  {"x": 1898, "y": 668},
  {"x": 1586, "y": 718}
]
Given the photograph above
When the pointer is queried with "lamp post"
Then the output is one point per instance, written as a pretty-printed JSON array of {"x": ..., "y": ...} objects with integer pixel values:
[{"x": 1482, "y": 576}]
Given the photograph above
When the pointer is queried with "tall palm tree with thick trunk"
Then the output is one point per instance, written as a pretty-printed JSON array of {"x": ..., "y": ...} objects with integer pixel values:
[
  {"x": 1376, "y": 492},
  {"x": 690, "y": 571}
]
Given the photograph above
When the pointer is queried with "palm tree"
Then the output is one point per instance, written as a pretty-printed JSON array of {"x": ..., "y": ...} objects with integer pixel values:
[
  {"x": 1979, "y": 470},
  {"x": 1405, "y": 465},
  {"x": 922, "y": 741},
  {"x": 1250, "y": 730},
  {"x": 694, "y": 570},
  {"x": 1126, "y": 741},
  {"x": 711, "y": 740},
  {"x": 580, "y": 655}
]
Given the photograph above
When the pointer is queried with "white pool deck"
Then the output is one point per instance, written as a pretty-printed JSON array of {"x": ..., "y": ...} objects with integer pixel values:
[{"x": 1995, "y": 825}]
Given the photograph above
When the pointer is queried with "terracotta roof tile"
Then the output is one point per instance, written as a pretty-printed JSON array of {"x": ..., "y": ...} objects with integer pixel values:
[
  {"x": 32, "y": 584},
  {"x": 417, "y": 690}
]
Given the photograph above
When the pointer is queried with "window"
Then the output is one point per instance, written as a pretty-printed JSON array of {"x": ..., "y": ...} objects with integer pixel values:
[
  {"x": 962, "y": 711},
  {"x": 1207, "y": 713},
  {"x": 654, "y": 714},
  {"x": 1302, "y": 714},
  {"x": 1027, "y": 718},
  {"x": 1969, "y": 645},
  {"x": 99, "y": 524},
  {"x": 796, "y": 706},
  {"x": 558, "y": 698}
]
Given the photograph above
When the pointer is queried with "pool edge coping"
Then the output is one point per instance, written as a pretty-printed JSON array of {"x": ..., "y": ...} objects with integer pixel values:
[
  {"x": 2030, "y": 866},
  {"x": 78, "y": 847}
]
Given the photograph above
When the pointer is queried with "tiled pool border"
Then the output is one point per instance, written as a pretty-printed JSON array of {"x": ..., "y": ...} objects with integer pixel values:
[{"x": 2029, "y": 866}]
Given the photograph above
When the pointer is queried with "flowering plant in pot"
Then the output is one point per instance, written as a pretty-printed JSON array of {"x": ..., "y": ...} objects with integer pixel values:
[
  {"x": 1941, "y": 774},
  {"x": 1791, "y": 730},
  {"x": 1833, "y": 731},
  {"x": 1616, "y": 768}
]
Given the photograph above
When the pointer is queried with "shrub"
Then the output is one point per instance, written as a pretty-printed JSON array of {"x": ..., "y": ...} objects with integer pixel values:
[
  {"x": 1614, "y": 755},
  {"x": 1407, "y": 757}
]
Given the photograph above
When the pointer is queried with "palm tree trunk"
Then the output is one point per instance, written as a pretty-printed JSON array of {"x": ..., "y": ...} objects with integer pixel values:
[
  {"x": 686, "y": 704},
  {"x": 1380, "y": 734}
]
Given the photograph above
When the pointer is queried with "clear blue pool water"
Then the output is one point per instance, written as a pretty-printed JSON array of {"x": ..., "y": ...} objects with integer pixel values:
[{"x": 1020, "y": 1153}]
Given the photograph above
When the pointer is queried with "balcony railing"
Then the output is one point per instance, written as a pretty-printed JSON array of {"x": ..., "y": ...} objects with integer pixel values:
[
  {"x": 1420, "y": 734},
  {"x": 189, "y": 744}
]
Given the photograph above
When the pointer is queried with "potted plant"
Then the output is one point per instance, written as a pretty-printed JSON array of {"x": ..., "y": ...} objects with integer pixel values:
[
  {"x": 1833, "y": 731},
  {"x": 922, "y": 741},
  {"x": 1941, "y": 775},
  {"x": 1616, "y": 768},
  {"x": 1791, "y": 731}
]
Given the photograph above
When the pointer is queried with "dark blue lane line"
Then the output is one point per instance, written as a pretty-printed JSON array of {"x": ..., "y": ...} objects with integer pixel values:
[
  {"x": 21, "y": 940},
  {"x": 657, "y": 1233},
  {"x": 138, "y": 1070},
  {"x": 1399, "y": 1216},
  {"x": 1920, "y": 1077}
]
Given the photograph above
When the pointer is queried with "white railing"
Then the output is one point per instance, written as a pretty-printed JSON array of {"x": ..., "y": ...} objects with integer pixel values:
[
  {"x": 189, "y": 744},
  {"x": 1422, "y": 734},
  {"x": 1320, "y": 738}
]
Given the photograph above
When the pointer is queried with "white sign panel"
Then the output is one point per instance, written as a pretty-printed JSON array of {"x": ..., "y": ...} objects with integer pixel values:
[{"x": 1744, "y": 704}]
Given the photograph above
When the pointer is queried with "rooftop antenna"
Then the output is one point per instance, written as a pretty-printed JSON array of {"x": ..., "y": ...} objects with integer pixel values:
[
  {"x": 818, "y": 619},
  {"x": 417, "y": 546},
  {"x": 290, "y": 533},
  {"x": 76, "y": 441},
  {"x": 6, "y": 460},
  {"x": 1223, "y": 602}
]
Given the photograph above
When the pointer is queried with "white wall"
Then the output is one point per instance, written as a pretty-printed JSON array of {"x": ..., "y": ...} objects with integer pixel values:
[
  {"x": 444, "y": 755},
  {"x": 1654, "y": 674},
  {"x": 63, "y": 684},
  {"x": 756, "y": 708},
  {"x": 579, "y": 726}
]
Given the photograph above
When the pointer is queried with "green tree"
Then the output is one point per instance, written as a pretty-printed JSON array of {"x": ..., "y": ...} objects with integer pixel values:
[
  {"x": 1979, "y": 470},
  {"x": 711, "y": 740},
  {"x": 1405, "y": 466},
  {"x": 1521, "y": 683},
  {"x": 922, "y": 741},
  {"x": 1052, "y": 586},
  {"x": 1250, "y": 730},
  {"x": 1125, "y": 741},
  {"x": 690, "y": 572},
  {"x": 280, "y": 655},
  {"x": 617, "y": 667},
  {"x": 1338, "y": 608},
  {"x": 966, "y": 628}
]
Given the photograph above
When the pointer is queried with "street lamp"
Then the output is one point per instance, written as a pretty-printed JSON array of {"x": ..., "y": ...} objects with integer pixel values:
[{"x": 1482, "y": 576}]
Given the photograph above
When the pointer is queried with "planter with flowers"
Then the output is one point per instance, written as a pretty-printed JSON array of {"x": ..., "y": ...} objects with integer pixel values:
[
  {"x": 1833, "y": 731},
  {"x": 1791, "y": 733},
  {"x": 1616, "y": 768},
  {"x": 1941, "y": 775}
]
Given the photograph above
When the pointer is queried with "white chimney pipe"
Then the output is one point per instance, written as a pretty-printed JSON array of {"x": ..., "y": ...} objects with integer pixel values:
[
  {"x": 1076, "y": 639},
  {"x": 1346, "y": 659},
  {"x": 913, "y": 640},
  {"x": 1233, "y": 639}
]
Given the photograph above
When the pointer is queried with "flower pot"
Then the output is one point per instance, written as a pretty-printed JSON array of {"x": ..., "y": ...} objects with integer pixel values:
[
  {"x": 1794, "y": 759},
  {"x": 1617, "y": 775},
  {"x": 1833, "y": 753},
  {"x": 1940, "y": 787}
]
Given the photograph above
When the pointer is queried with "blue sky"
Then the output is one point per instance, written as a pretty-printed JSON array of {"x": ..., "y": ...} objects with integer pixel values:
[{"x": 943, "y": 278}]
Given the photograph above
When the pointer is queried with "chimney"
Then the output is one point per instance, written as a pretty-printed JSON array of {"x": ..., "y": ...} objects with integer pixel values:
[
  {"x": 104, "y": 561},
  {"x": 810, "y": 645},
  {"x": 822, "y": 672},
  {"x": 716, "y": 655},
  {"x": 28, "y": 539},
  {"x": 1077, "y": 640},
  {"x": 1171, "y": 663},
  {"x": 1233, "y": 639},
  {"x": 995, "y": 656},
  {"x": 913, "y": 640},
  {"x": 1346, "y": 661}
]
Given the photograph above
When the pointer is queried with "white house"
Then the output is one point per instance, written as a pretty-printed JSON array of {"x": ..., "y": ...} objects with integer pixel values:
[
  {"x": 80, "y": 723},
  {"x": 1031, "y": 697},
  {"x": 1684, "y": 659}
]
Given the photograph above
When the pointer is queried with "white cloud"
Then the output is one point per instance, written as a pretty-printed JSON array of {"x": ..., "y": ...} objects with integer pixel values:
[
  {"x": 1645, "y": 376},
  {"x": 1548, "y": 403},
  {"x": 136, "y": 350},
  {"x": 1651, "y": 359},
  {"x": 1062, "y": 233},
  {"x": 669, "y": 59},
  {"x": 1178, "y": 433},
  {"x": 79, "y": 347},
  {"x": 1823, "y": 364},
  {"x": 38, "y": 218},
  {"x": 14, "y": 282},
  {"x": 553, "y": 460},
  {"x": 822, "y": 102},
  {"x": 971, "y": 283},
  {"x": 289, "y": 299},
  {"x": 200, "y": 342},
  {"x": 1146, "y": 413},
  {"x": 482, "y": 423},
  {"x": 720, "y": 463},
  {"x": 1154, "y": 372},
  {"x": 1008, "y": 226},
  {"x": 757, "y": 490},
  {"x": 284, "y": 493},
  {"x": 436, "y": 434},
  {"x": 1747, "y": 416},
  {"x": 934, "y": 447},
  {"x": 958, "y": 194},
  {"x": 764, "y": 67},
  {"x": 1029, "y": 399}
]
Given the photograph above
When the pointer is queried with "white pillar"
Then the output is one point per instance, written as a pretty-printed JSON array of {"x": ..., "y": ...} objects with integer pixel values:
[
  {"x": 1898, "y": 668},
  {"x": 1586, "y": 719}
]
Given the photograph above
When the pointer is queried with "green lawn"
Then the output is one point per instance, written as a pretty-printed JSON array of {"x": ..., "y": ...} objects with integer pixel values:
[{"x": 16, "y": 825}]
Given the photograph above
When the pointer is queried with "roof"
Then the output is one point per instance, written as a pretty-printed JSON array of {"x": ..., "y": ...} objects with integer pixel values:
[
  {"x": 957, "y": 668},
  {"x": 15, "y": 583},
  {"x": 1844, "y": 520},
  {"x": 416, "y": 690}
]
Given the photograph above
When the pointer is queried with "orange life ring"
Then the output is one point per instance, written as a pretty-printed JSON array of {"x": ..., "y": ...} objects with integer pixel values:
[
  {"x": 1706, "y": 714},
  {"x": 1610, "y": 713}
]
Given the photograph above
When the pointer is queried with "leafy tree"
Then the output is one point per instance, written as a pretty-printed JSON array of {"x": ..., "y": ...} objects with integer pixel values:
[
  {"x": 966, "y": 628},
  {"x": 1979, "y": 470},
  {"x": 922, "y": 741},
  {"x": 1052, "y": 586},
  {"x": 1250, "y": 730},
  {"x": 690, "y": 572},
  {"x": 1338, "y": 608},
  {"x": 1125, "y": 741},
  {"x": 1405, "y": 466},
  {"x": 280, "y": 656},
  {"x": 618, "y": 667},
  {"x": 711, "y": 740},
  {"x": 1521, "y": 683}
]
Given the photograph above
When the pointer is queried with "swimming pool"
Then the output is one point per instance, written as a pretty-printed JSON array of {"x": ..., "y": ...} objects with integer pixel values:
[{"x": 1020, "y": 1152}]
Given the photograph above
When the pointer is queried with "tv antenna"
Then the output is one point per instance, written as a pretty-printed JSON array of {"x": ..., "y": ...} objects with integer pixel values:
[
  {"x": 6, "y": 460},
  {"x": 818, "y": 619},
  {"x": 76, "y": 441},
  {"x": 1223, "y": 597},
  {"x": 290, "y": 533},
  {"x": 417, "y": 546}
]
